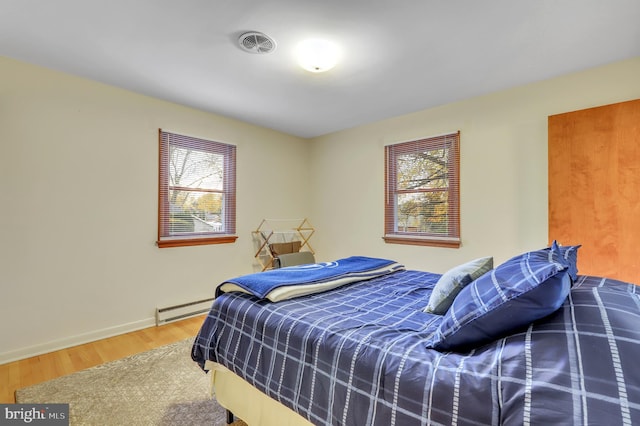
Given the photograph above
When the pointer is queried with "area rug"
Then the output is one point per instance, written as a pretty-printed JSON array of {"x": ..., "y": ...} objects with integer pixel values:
[{"x": 162, "y": 386}]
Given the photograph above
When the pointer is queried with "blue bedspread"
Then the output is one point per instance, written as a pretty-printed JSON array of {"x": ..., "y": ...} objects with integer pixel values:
[
  {"x": 261, "y": 283},
  {"x": 356, "y": 356}
]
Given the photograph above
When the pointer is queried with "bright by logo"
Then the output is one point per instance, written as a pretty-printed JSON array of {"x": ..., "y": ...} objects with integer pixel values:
[
  {"x": 27, "y": 415},
  {"x": 37, "y": 414}
]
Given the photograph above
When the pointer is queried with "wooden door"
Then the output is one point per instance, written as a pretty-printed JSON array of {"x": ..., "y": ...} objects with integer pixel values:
[{"x": 594, "y": 187}]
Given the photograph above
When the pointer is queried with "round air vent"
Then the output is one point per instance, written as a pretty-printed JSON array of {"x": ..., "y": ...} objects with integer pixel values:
[{"x": 255, "y": 42}]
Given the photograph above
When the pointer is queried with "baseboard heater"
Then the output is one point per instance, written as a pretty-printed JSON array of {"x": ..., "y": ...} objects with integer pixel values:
[{"x": 185, "y": 310}]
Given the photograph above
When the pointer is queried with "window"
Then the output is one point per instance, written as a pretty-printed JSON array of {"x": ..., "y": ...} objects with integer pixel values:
[
  {"x": 422, "y": 192},
  {"x": 197, "y": 191}
]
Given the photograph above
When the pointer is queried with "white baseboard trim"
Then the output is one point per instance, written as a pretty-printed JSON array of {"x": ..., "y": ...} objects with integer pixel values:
[{"x": 67, "y": 342}]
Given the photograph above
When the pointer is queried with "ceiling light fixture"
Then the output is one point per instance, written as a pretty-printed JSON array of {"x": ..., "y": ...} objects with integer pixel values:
[{"x": 317, "y": 55}]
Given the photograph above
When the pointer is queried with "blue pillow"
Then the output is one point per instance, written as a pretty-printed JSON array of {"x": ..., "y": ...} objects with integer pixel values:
[
  {"x": 570, "y": 255},
  {"x": 521, "y": 290}
]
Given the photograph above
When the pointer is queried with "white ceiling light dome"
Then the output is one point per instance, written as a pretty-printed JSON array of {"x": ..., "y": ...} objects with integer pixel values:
[{"x": 317, "y": 55}]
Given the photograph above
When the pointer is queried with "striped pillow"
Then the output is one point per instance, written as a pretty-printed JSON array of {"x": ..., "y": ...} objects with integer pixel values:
[
  {"x": 521, "y": 290},
  {"x": 570, "y": 255}
]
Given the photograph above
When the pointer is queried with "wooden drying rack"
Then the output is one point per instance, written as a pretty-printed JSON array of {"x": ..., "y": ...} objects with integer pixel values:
[{"x": 288, "y": 230}]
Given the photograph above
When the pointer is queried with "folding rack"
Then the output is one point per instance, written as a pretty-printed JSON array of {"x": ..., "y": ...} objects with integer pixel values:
[{"x": 272, "y": 231}]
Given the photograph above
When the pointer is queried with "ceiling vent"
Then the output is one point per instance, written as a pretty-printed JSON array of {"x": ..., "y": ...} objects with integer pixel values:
[{"x": 256, "y": 42}]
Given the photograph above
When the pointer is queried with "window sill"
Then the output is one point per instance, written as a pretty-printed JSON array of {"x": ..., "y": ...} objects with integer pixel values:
[
  {"x": 419, "y": 240},
  {"x": 196, "y": 241}
]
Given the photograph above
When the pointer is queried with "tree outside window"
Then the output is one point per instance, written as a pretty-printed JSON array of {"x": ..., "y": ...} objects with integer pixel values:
[
  {"x": 197, "y": 191},
  {"x": 422, "y": 192}
]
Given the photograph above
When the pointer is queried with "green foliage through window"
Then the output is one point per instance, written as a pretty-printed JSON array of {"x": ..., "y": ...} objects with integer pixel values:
[{"x": 197, "y": 188}]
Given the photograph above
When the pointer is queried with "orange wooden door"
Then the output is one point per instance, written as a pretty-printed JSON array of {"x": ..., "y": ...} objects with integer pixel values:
[{"x": 594, "y": 187}]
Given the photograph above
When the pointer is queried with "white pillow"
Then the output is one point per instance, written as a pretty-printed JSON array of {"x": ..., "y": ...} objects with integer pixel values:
[{"x": 452, "y": 281}]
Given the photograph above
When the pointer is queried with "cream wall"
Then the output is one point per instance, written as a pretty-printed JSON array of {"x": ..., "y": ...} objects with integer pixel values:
[
  {"x": 78, "y": 172},
  {"x": 503, "y": 169}
]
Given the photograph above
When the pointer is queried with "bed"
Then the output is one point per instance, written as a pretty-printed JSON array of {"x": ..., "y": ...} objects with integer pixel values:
[{"x": 527, "y": 342}]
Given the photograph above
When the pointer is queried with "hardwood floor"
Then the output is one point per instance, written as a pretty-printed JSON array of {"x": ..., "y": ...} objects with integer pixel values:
[{"x": 29, "y": 371}]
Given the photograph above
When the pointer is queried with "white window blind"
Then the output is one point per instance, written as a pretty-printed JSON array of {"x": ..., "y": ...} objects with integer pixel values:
[
  {"x": 422, "y": 192},
  {"x": 196, "y": 191}
]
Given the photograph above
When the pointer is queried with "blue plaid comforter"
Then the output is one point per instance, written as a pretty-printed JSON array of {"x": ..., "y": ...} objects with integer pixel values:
[{"x": 356, "y": 356}]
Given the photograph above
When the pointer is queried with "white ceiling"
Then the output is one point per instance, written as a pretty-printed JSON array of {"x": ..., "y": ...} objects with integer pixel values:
[{"x": 398, "y": 56}]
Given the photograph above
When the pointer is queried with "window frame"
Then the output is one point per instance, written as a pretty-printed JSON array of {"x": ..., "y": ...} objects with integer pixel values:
[
  {"x": 228, "y": 151},
  {"x": 450, "y": 141}
]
